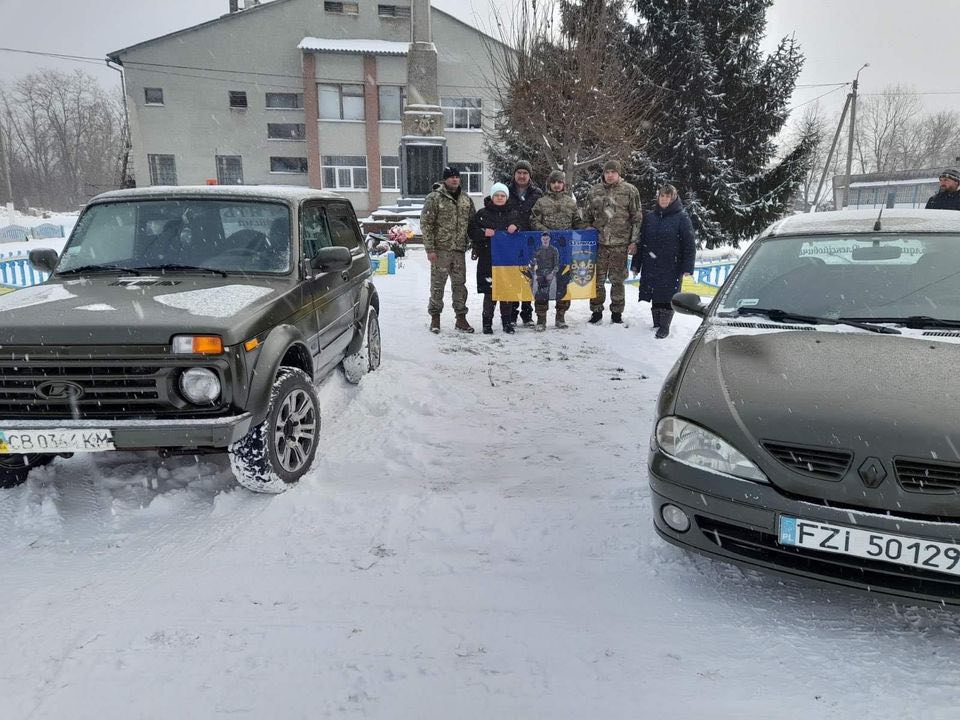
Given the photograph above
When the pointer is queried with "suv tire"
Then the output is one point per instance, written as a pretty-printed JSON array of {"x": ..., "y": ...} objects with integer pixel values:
[
  {"x": 367, "y": 358},
  {"x": 278, "y": 452},
  {"x": 15, "y": 468}
]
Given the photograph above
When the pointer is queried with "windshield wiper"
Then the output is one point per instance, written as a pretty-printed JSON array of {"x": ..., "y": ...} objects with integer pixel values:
[
  {"x": 778, "y": 315},
  {"x": 177, "y": 266},
  {"x": 916, "y": 322},
  {"x": 98, "y": 268}
]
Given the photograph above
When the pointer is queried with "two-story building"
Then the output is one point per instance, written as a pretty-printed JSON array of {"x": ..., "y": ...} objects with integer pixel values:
[{"x": 300, "y": 92}]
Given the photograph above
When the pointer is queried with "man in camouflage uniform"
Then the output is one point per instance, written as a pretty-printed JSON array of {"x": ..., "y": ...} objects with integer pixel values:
[
  {"x": 443, "y": 223},
  {"x": 613, "y": 208},
  {"x": 557, "y": 210}
]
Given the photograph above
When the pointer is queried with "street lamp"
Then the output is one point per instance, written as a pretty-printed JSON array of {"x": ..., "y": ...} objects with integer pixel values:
[{"x": 853, "y": 130}]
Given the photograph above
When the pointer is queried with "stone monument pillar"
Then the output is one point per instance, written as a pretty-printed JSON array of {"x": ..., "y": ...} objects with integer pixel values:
[{"x": 423, "y": 148}]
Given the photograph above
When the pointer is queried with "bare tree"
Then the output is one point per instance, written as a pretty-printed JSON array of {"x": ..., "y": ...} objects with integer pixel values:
[
  {"x": 884, "y": 122},
  {"x": 565, "y": 95}
]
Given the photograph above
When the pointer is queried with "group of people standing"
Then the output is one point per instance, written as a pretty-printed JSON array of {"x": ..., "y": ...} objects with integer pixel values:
[{"x": 662, "y": 244}]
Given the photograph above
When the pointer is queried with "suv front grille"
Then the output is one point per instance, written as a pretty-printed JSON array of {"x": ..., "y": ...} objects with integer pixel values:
[
  {"x": 68, "y": 389},
  {"x": 812, "y": 462},
  {"x": 921, "y": 476}
]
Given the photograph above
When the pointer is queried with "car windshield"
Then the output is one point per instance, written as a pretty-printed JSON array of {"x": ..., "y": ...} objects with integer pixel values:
[
  {"x": 217, "y": 235},
  {"x": 872, "y": 277}
]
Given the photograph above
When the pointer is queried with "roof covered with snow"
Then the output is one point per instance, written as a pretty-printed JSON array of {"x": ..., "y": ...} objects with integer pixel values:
[
  {"x": 362, "y": 46},
  {"x": 862, "y": 221},
  {"x": 287, "y": 193}
]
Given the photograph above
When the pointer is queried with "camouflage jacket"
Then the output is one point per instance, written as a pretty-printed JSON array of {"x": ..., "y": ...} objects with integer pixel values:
[
  {"x": 444, "y": 219},
  {"x": 614, "y": 210},
  {"x": 556, "y": 211}
]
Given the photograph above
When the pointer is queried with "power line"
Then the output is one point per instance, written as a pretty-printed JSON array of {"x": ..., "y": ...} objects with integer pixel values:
[{"x": 818, "y": 97}]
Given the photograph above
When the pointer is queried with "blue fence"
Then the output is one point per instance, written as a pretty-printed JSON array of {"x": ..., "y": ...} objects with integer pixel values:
[
  {"x": 19, "y": 233},
  {"x": 17, "y": 272}
]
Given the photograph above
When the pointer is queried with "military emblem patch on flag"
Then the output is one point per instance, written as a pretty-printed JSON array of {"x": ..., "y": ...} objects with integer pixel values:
[{"x": 554, "y": 265}]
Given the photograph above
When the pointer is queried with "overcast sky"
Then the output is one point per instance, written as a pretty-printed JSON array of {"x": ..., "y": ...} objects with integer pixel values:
[{"x": 913, "y": 43}]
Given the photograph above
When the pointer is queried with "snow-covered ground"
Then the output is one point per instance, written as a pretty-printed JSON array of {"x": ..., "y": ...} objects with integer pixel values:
[{"x": 475, "y": 541}]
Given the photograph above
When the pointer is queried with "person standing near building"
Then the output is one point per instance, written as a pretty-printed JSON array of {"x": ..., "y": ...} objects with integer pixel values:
[
  {"x": 524, "y": 194},
  {"x": 556, "y": 210},
  {"x": 949, "y": 196},
  {"x": 443, "y": 222},
  {"x": 613, "y": 208},
  {"x": 665, "y": 254},
  {"x": 496, "y": 214}
]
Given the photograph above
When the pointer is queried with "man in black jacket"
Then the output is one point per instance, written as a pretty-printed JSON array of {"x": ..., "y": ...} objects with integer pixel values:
[
  {"x": 949, "y": 196},
  {"x": 523, "y": 196}
]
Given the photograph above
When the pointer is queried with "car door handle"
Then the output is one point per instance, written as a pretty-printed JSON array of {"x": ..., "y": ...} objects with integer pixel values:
[{"x": 344, "y": 275}]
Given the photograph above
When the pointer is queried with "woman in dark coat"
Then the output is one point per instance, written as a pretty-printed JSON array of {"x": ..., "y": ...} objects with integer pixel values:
[
  {"x": 496, "y": 214},
  {"x": 666, "y": 253}
]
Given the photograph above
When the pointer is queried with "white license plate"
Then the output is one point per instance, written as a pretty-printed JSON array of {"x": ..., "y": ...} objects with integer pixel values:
[
  {"x": 899, "y": 549},
  {"x": 55, "y": 441}
]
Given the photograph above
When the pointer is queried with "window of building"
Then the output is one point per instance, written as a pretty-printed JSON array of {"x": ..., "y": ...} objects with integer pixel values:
[
  {"x": 163, "y": 169},
  {"x": 286, "y": 131},
  {"x": 288, "y": 165},
  {"x": 392, "y": 100},
  {"x": 238, "y": 99},
  {"x": 284, "y": 101},
  {"x": 461, "y": 113},
  {"x": 229, "y": 170},
  {"x": 341, "y": 102},
  {"x": 471, "y": 176},
  {"x": 344, "y": 172},
  {"x": 390, "y": 172},
  {"x": 342, "y": 8},
  {"x": 343, "y": 226},
  {"x": 396, "y": 11},
  {"x": 153, "y": 96}
]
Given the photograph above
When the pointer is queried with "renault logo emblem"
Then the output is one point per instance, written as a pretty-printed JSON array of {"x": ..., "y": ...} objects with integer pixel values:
[
  {"x": 59, "y": 390},
  {"x": 872, "y": 473}
]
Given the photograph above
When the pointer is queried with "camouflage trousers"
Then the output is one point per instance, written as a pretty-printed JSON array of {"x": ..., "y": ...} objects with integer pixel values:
[
  {"x": 452, "y": 264},
  {"x": 542, "y": 307},
  {"x": 612, "y": 263}
]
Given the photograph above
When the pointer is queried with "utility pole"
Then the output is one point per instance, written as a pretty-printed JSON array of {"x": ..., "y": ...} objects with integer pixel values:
[
  {"x": 833, "y": 146},
  {"x": 853, "y": 131}
]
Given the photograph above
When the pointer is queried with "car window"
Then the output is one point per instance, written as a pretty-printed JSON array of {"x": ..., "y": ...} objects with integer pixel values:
[
  {"x": 343, "y": 227},
  {"x": 313, "y": 229},
  {"x": 220, "y": 234},
  {"x": 850, "y": 276}
]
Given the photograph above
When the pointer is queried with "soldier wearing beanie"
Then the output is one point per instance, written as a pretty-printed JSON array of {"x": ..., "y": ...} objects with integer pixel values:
[
  {"x": 523, "y": 196},
  {"x": 443, "y": 223},
  {"x": 613, "y": 208},
  {"x": 556, "y": 210},
  {"x": 949, "y": 196}
]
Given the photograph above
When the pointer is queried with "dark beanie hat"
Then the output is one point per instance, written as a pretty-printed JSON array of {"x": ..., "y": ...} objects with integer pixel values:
[
  {"x": 522, "y": 165},
  {"x": 449, "y": 172},
  {"x": 613, "y": 166},
  {"x": 951, "y": 174},
  {"x": 556, "y": 176}
]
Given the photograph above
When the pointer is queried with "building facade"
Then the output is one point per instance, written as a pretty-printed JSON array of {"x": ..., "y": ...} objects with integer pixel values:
[
  {"x": 301, "y": 92},
  {"x": 898, "y": 188}
]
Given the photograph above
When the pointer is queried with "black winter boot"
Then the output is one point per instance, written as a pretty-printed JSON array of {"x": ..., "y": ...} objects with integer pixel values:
[
  {"x": 663, "y": 330},
  {"x": 596, "y": 317},
  {"x": 487, "y": 327},
  {"x": 655, "y": 313},
  {"x": 616, "y": 318},
  {"x": 508, "y": 327}
]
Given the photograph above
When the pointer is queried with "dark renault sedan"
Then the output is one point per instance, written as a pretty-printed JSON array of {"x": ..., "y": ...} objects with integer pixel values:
[{"x": 812, "y": 426}]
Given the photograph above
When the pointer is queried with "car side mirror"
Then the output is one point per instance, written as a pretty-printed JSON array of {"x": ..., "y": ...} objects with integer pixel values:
[
  {"x": 44, "y": 259},
  {"x": 332, "y": 258},
  {"x": 689, "y": 304}
]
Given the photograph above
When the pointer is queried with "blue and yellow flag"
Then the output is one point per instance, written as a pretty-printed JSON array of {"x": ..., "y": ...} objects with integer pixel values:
[{"x": 541, "y": 266}]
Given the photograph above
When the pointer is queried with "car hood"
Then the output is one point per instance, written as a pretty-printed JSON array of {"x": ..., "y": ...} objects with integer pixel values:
[
  {"x": 874, "y": 396},
  {"x": 112, "y": 310}
]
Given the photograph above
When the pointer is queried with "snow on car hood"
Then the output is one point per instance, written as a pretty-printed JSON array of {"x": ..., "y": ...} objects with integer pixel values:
[{"x": 217, "y": 302}]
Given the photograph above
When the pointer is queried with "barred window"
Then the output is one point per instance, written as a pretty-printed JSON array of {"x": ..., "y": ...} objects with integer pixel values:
[
  {"x": 153, "y": 96},
  {"x": 393, "y": 11},
  {"x": 390, "y": 172},
  {"x": 461, "y": 113},
  {"x": 286, "y": 131},
  {"x": 344, "y": 172},
  {"x": 229, "y": 170},
  {"x": 163, "y": 169},
  {"x": 288, "y": 165},
  {"x": 342, "y": 8},
  {"x": 238, "y": 99}
]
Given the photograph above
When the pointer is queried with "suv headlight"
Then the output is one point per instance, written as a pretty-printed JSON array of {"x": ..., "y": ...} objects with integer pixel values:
[
  {"x": 200, "y": 386},
  {"x": 693, "y": 445}
]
